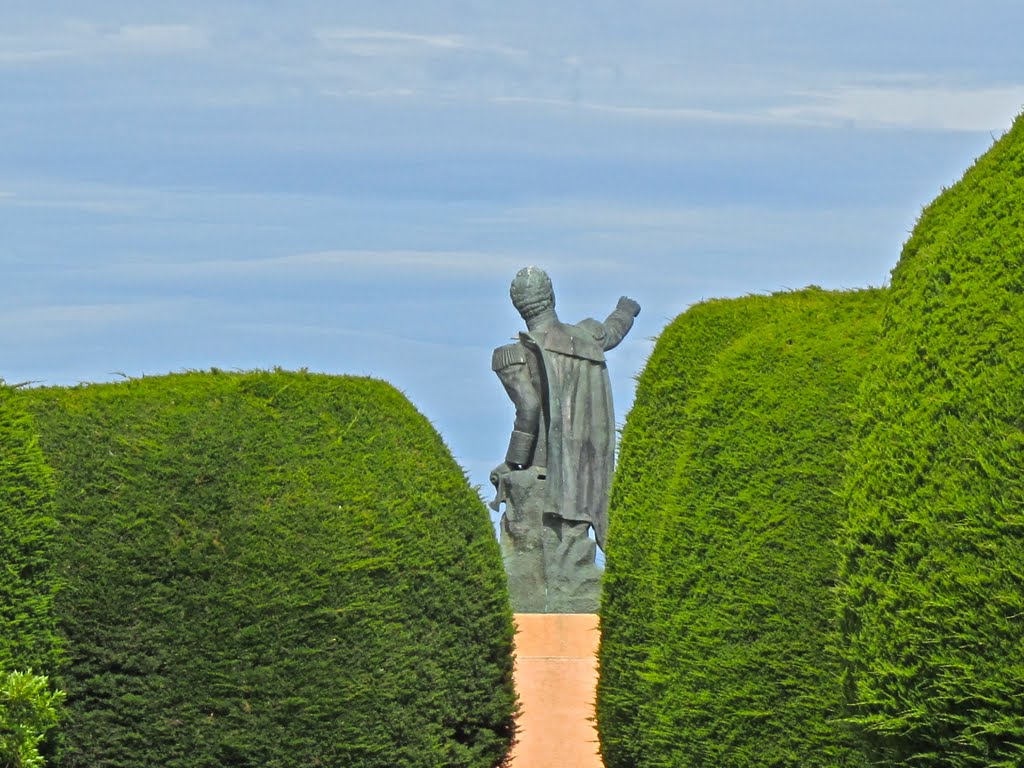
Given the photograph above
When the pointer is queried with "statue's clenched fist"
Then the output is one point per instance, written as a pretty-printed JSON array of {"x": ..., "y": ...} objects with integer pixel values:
[{"x": 629, "y": 305}]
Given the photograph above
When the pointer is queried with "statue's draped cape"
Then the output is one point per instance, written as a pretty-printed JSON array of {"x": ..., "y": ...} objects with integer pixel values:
[{"x": 578, "y": 417}]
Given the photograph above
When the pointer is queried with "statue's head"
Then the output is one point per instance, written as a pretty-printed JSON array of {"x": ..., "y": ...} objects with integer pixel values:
[{"x": 531, "y": 292}]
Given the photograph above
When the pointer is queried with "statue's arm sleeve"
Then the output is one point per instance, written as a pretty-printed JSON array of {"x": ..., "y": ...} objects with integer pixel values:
[
  {"x": 615, "y": 327},
  {"x": 510, "y": 363}
]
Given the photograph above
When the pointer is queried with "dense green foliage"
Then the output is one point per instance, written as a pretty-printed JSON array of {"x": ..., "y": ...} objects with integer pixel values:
[
  {"x": 719, "y": 616},
  {"x": 933, "y": 569},
  {"x": 28, "y": 709},
  {"x": 27, "y": 527},
  {"x": 271, "y": 569},
  {"x": 652, "y": 440}
]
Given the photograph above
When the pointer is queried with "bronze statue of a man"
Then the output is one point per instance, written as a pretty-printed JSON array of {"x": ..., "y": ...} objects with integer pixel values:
[{"x": 556, "y": 475}]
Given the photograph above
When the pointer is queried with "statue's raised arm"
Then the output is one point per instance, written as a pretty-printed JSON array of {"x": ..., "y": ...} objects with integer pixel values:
[{"x": 615, "y": 327}]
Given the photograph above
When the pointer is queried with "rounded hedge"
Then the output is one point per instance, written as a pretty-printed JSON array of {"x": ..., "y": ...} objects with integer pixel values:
[
  {"x": 736, "y": 560},
  {"x": 272, "y": 569},
  {"x": 654, "y": 435},
  {"x": 933, "y": 567}
]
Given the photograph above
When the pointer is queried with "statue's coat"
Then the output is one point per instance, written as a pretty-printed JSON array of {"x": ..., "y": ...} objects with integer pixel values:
[{"x": 580, "y": 420}]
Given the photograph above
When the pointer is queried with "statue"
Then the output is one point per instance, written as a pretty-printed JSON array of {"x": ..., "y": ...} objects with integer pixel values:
[{"x": 555, "y": 478}]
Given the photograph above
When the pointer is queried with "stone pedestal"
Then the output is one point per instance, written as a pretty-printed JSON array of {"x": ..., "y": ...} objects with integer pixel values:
[{"x": 556, "y": 678}]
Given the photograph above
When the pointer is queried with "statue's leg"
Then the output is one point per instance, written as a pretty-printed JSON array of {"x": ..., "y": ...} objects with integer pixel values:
[{"x": 573, "y": 578}]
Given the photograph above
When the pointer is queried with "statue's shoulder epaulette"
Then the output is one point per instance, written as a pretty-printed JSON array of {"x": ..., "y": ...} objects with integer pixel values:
[{"x": 510, "y": 354}]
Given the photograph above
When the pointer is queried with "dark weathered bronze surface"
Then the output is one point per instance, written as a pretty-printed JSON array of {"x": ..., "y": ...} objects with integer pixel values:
[{"x": 558, "y": 467}]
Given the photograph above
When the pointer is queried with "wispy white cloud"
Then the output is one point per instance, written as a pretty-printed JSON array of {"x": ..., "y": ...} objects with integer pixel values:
[
  {"x": 14, "y": 56},
  {"x": 160, "y": 38},
  {"x": 697, "y": 224},
  {"x": 378, "y": 42},
  {"x": 396, "y": 64},
  {"x": 93, "y": 201},
  {"x": 352, "y": 63},
  {"x": 354, "y": 41},
  {"x": 373, "y": 93},
  {"x": 660, "y": 246},
  {"x": 305, "y": 330},
  {"x": 61, "y": 320},
  {"x": 58, "y": 193},
  {"x": 84, "y": 39},
  {"x": 392, "y": 265},
  {"x": 485, "y": 67},
  {"x": 924, "y": 107},
  {"x": 385, "y": 261},
  {"x": 665, "y": 113}
]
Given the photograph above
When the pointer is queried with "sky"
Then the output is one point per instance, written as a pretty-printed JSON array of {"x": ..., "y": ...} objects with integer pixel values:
[{"x": 349, "y": 187}]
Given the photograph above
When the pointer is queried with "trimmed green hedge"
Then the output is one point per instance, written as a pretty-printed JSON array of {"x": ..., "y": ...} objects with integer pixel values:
[
  {"x": 933, "y": 568},
  {"x": 271, "y": 569},
  {"x": 653, "y": 438},
  {"x": 719, "y": 616},
  {"x": 28, "y": 638}
]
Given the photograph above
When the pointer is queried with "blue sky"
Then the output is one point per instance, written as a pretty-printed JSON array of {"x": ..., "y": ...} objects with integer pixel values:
[{"x": 350, "y": 187}]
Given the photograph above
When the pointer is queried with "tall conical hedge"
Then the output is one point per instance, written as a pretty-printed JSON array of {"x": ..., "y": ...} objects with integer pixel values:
[
  {"x": 271, "y": 569},
  {"x": 933, "y": 579},
  {"x": 736, "y": 560},
  {"x": 28, "y": 638}
]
